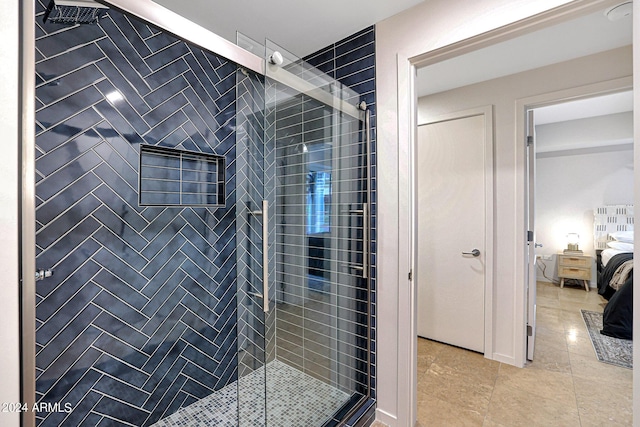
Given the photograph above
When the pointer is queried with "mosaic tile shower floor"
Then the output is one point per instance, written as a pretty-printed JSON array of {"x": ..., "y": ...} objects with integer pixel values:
[{"x": 294, "y": 399}]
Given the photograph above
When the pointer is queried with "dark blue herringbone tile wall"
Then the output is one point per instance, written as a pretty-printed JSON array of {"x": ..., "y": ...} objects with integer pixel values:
[
  {"x": 351, "y": 61},
  {"x": 139, "y": 318}
]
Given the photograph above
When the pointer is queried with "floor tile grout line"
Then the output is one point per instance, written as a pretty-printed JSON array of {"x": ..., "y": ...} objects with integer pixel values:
[{"x": 566, "y": 303}]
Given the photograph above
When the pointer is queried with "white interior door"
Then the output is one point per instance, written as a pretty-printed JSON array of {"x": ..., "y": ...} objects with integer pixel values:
[
  {"x": 531, "y": 238},
  {"x": 451, "y": 231}
]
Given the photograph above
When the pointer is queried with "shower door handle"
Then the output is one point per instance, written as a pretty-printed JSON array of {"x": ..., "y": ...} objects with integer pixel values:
[
  {"x": 265, "y": 254},
  {"x": 365, "y": 240},
  {"x": 364, "y": 268},
  {"x": 366, "y": 231}
]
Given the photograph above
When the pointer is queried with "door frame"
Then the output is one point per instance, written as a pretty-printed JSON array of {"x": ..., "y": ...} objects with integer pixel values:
[
  {"x": 530, "y": 153},
  {"x": 487, "y": 112},
  {"x": 544, "y": 100},
  {"x": 27, "y": 212},
  {"x": 407, "y": 108}
]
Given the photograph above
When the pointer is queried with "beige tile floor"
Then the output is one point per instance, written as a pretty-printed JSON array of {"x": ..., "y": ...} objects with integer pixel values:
[{"x": 565, "y": 385}]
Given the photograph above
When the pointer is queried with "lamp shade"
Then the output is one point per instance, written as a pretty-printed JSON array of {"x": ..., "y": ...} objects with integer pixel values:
[
  {"x": 573, "y": 238},
  {"x": 572, "y": 241}
]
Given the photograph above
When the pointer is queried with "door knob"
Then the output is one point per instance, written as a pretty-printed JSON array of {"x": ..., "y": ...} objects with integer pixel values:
[
  {"x": 538, "y": 245},
  {"x": 474, "y": 252}
]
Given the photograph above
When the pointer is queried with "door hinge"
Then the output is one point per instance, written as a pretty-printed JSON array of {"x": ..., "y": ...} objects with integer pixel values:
[
  {"x": 529, "y": 331},
  {"x": 529, "y": 140},
  {"x": 410, "y": 275}
]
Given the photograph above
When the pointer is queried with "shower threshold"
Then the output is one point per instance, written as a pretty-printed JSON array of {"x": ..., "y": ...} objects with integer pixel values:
[{"x": 293, "y": 399}]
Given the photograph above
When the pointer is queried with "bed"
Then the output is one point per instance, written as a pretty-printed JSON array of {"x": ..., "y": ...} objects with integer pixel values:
[{"x": 614, "y": 247}]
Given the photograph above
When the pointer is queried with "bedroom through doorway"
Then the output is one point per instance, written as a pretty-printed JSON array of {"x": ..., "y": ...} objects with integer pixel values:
[
  {"x": 560, "y": 341},
  {"x": 583, "y": 203}
]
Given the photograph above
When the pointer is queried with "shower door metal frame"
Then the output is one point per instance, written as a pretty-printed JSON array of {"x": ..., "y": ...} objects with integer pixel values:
[
  {"x": 189, "y": 31},
  {"x": 27, "y": 214}
]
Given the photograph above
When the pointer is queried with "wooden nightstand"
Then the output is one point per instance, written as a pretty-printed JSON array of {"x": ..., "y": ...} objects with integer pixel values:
[{"x": 574, "y": 267}]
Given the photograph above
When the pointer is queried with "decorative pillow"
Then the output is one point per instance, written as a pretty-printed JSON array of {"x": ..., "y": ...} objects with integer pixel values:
[
  {"x": 622, "y": 236},
  {"x": 622, "y": 246}
]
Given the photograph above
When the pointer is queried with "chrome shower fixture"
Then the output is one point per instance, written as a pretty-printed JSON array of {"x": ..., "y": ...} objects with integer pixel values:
[
  {"x": 71, "y": 12},
  {"x": 276, "y": 58}
]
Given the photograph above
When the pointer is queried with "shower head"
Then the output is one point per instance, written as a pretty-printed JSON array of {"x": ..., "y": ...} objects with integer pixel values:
[{"x": 73, "y": 12}]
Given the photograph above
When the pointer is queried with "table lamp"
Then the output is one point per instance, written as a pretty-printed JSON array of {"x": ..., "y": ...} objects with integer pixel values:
[{"x": 572, "y": 243}]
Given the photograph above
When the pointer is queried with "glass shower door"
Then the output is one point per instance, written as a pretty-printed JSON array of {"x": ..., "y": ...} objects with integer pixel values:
[
  {"x": 303, "y": 338},
  {"x": 303, "y": 245},
  {"x": 252, "y": 219}
]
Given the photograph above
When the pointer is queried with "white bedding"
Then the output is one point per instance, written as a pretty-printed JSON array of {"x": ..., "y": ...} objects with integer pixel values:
[{"x": 608, "y": 253}]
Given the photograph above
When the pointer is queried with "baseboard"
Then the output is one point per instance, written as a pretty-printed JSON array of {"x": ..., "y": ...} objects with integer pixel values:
[
  {"x": 509, "y": 360},
  {"x": 386, "y": 418}
]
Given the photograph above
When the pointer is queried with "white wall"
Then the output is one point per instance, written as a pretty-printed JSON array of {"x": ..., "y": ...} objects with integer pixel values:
[
  {"x": 599, "y": 131},
  {"x": 570, "y": 184},
  {"x": 423, "y": 29},
  {"x": 9, "y": 114},
  {"x": 636, "y": 198},
  {"x": 568, "y": 188},
  {"x": 502, "y": 93}
]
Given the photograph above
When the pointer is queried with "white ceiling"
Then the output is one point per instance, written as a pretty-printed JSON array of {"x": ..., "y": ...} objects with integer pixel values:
[
  {"x": 572, "y": 39},
  {"x": 301, "y": 27},
  {"x": 581, "y": 109},
  {"x": 583, "y": 36}
]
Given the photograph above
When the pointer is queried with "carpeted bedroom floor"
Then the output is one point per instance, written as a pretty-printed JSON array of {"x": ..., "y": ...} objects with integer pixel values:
[{"x": 565, "y": 385}]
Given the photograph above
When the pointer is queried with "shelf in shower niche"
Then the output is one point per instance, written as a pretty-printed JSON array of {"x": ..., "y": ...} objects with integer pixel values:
[{"x": 170, "y": 177}]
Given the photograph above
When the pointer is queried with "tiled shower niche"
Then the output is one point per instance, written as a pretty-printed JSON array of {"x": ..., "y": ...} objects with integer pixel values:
[
  {"x": 138, "y": 319},
  {"x": 169, "y": 177}
]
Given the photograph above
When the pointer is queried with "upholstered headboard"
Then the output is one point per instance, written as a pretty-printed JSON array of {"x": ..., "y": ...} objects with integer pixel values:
[{"x": 608, "y": 219}]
